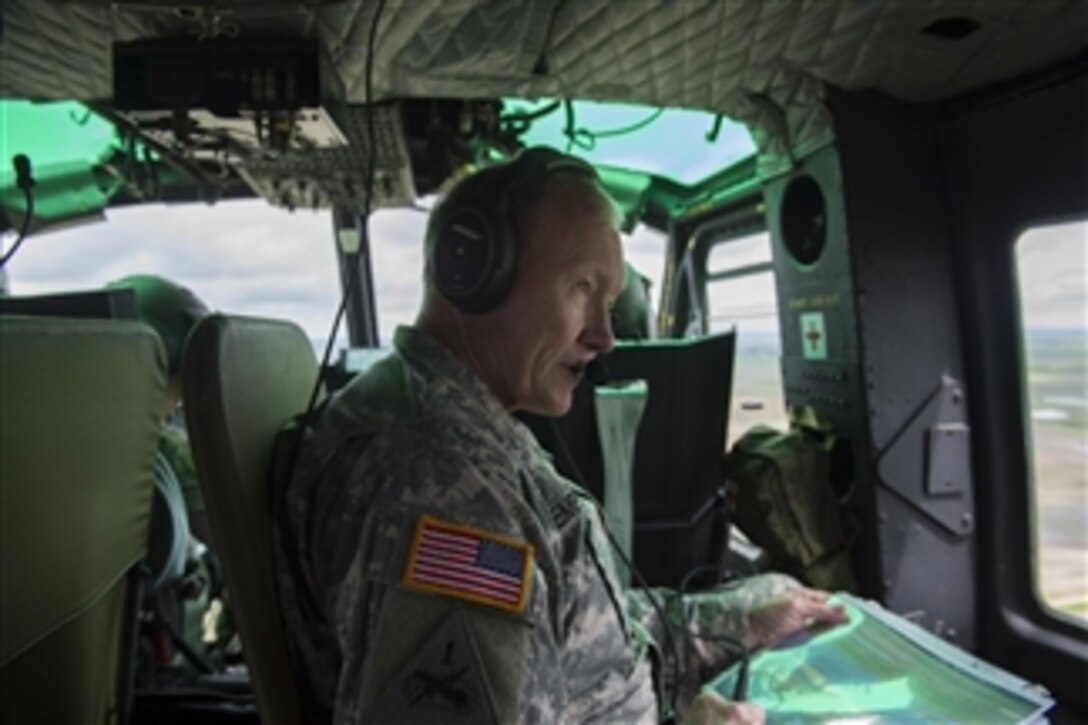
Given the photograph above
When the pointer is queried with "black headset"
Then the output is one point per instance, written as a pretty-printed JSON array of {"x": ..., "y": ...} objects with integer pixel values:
[{"x": 473, "y": 253}]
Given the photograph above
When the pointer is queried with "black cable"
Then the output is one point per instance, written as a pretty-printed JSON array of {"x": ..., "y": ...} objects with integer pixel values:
[
  {"x": 586, "y": 139},
  {"x": 568, "y": 128},
  {"x": 630, "y": 128},
  {"x": 352, "y": 280},
  {"x": 290, "y": 540},
  {"x": 669, "y": 641},
  {"x": 24, "y": 179},
  {"x": 22, "y": 229},
  {"x": 715, "y": 129},
  {"x": 522, "y": 116},
  {"x": 740, "y": 689},
  {"x": 694, "y": 572}
]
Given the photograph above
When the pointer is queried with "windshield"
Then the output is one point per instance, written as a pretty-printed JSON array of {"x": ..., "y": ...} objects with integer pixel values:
[
  {"x": 241, "y": 257},
  {"x": 683, "y": 145},
  {"x": 76, "y": 157},
  {"x": 248, "y": 257}
]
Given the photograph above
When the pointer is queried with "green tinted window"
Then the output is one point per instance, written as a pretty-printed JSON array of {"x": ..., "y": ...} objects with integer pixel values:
[
  {"x": 683, "y": 145},
  {"x": 52, "y": 133},
  {"x": 65, "y": 143}
]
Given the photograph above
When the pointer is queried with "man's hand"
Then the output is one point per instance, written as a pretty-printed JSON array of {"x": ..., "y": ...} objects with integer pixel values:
[
  {"x": 774, "y": 621},
  {"x": 709, "y": 709}
]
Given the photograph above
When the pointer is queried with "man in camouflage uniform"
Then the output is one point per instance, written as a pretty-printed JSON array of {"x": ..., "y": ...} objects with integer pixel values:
[
  {"x": 182, "y": 575},
  {"x": 434, "y": 567},
  {"x": 172, "y": 311}
]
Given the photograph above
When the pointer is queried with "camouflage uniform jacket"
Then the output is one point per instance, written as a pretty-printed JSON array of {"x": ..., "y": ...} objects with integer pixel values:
[{"x": 417, "y": 435}]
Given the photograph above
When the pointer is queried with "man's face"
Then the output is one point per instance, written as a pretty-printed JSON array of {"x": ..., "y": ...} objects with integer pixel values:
[{"x": 556, "y": 319}]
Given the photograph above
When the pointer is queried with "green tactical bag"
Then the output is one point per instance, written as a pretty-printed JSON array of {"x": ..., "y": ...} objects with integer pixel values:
[{"x": 784, "y": 501}]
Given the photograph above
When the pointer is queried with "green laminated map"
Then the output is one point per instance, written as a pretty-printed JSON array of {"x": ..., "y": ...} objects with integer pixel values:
[{"x": 880, "y": 668}]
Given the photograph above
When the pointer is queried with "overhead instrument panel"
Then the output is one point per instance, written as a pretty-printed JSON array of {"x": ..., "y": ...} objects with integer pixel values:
[{"x": 265, "y": 110}]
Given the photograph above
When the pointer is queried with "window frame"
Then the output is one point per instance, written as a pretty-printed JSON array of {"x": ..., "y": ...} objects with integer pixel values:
[
  {"x": 1011, "y": 159},
  {"x": 684, "y": 303},
  {"x": 683, "y": 291},
  {"x": 1029, "y": 430},
  {"x": 769, "y": 414},
  {"x": 1017, "y": 629}
]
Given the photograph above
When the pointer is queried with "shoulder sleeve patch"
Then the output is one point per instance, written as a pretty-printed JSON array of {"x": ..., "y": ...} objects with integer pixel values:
[
  {"x": 444, "y": 683},
  {"x": 469, "y": 563}
]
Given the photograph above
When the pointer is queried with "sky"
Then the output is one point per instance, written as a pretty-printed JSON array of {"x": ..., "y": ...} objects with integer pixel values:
[
  {"x": 251, "y": 258},
  {"x": 671, "y": 142},
  {"x": 247, "y": 257},
  {"x": 1052, "y": 262}
]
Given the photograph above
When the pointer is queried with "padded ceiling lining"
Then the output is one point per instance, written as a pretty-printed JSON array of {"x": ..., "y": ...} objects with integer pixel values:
[
  {"x": 765, "y": 63},
  {"x": 696, "y": 53}
]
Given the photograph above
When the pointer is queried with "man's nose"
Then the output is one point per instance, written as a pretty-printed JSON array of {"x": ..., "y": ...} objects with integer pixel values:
[{"x": 598, "y": 333}]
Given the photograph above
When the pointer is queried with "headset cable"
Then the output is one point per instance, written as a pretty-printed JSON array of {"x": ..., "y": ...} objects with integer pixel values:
[{"x": 25, "y": 181}]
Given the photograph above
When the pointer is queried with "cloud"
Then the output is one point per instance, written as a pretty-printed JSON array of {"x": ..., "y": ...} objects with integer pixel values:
[
  {"x": 243, "y": 257},
  {"x": 645, "y": 248},
  {"x": 752, "y": 249},
  {"x": 246, "y": 257},
  {"x": 1053, "y": 269},
  {"x": 396, "y": 242}
]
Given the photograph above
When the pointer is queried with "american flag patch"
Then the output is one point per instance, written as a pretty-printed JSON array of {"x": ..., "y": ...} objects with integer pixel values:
[{"x": 467, "y": 563}]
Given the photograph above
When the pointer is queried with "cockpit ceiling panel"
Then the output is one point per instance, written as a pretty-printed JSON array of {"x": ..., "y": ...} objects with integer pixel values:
[{"x": 708, "y": 54}]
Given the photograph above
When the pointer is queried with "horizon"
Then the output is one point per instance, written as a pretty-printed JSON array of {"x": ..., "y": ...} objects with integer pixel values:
[{"x": 247, "y": 257}]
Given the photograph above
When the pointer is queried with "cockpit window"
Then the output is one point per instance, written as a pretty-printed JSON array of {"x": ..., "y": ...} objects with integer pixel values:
[
  {"x": 1051, "y": 269},
  {"x": 683, "y": 145},
  {"x": 741, "y": 296},
  {"x": 53, "y": 133},
  {"x": 396, "y": 249},
  {"x": 75, "y": 158},
  {"x": 239, "y": 257}
]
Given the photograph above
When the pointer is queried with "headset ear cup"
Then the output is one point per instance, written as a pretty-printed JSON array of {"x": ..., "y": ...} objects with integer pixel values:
[
  {"x": 475, "y": 252},
  {"x": 473, "y": 259}
]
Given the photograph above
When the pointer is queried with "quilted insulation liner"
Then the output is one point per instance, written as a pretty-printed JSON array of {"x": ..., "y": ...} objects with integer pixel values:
[{"x": 761, "y": 62}]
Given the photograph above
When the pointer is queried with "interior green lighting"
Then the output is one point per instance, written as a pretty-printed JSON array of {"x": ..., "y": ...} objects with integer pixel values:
[
  {"x": 684, "y": 145},
  {"x": 50, "y": 133},
  {"x": 844, "y": 700},
  {"x": 879, "y": 668},
  {"x": 65, "y": 142}
]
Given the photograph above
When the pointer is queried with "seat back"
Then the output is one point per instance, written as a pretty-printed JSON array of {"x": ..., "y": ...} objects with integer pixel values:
[
  {"x": 242, "y": 379},
  {"x": 81, "y": 401}
]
